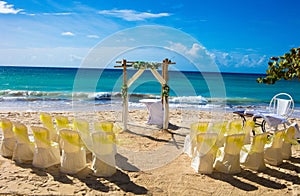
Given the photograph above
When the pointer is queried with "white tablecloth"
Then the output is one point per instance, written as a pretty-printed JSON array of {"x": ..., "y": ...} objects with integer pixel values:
[{"x": 155, "y": 109}]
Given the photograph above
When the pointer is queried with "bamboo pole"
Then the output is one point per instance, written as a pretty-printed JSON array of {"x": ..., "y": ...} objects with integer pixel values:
[
  {"x": 125, "y": 96},
  {"x": 165, "y": 67},
  {"x": 165, "y": 98}
]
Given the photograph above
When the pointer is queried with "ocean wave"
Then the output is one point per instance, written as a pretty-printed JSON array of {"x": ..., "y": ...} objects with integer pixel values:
[
  {"x": 23, "y": 95},
  {"x": 189, "y": 100}
]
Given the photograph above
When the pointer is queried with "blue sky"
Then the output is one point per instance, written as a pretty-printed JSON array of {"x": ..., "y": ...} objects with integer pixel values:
[{"x": 240, "y": 36}]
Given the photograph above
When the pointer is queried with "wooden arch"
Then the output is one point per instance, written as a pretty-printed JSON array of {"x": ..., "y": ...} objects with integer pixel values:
[{"x": 162, "y": 79}]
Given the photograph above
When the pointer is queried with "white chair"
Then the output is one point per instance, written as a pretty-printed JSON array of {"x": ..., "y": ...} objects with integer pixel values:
[
  {"x": 73, "y": 157},
  {"x": 281, "y": 108},
  {"x": 104, "y": 163},
  {"x": 273, "y": 151},
  {"x": 23, "y": 152},
  {"x": 282, "y": 104},
  {"x": 252, "y": 155},
  {"x": 205, "y": 153},
  {"x": 229, "y": 161},
  {"x": 8, "y": 138},
  {"x": 46, "y": 152}
]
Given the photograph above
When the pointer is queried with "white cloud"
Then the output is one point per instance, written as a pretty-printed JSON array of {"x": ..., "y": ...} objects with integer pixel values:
[
  {"x": 196, "y": 50},
  {"x": 68, "y": 33},
  {"x": 132, "y": 15},
  {"x": 8, "y": 9},
  {"x": 246, "y": 58},
  {"x": 58, "y": 14},
  {"x": 93, "y": 36}
]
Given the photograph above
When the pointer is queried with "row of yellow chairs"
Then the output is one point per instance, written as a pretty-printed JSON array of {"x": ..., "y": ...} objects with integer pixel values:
[
  {"x": 43, "y": 150},
  {"x": 252, "y": 151}
]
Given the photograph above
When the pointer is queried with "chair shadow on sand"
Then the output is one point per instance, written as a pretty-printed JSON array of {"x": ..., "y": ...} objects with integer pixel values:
[
  {"x": 248, "y": 175},
  {"x": 86, "y": 176},
  {"x": 231, "y": 179},
  {"x": 281, "y": 175}
]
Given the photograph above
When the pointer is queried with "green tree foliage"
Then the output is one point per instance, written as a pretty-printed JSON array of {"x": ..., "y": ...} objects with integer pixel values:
[{"x": 283, "y": 67}]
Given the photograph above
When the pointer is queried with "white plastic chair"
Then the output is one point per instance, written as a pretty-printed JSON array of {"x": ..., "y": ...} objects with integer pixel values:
[
  {"x": 230, "y": 161},
  {"x": 46, "y": 152},
  {"x": 252, "y": 155},
  {"x": 273, "y": 151},
  {"x": 282, "y": 104},
  {"x": 23, "y": 152},
  {"x": 8, "y": 138},
  {"x": 73, "y": 157},
  {"x": 205, "y": 153}
]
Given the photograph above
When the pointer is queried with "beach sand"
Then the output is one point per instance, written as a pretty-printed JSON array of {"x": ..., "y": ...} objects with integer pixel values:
[{"x": 140, "y": 151}]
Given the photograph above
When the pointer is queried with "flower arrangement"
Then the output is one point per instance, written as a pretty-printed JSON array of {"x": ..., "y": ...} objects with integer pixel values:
[{"x": 145, "y": 65}]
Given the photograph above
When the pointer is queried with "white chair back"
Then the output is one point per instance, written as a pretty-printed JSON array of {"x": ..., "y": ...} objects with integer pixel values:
[{"x": 282, "y": 106}]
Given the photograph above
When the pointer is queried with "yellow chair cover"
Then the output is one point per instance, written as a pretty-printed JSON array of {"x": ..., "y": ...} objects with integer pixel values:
[
  {"x": 46, "y": 152},
  {"x": 205, "y": 154},
  {"x": 248, "y": 128},
  {"x": 73, "y": 157},
  {"x": 273, "y": 151},
  {"x": 8, "y": 139},
  {"x": 288, "y": 141},
  {"x": 23, "y": 152},
  {"x": 62, "y": 122},
  {"x": 47, "y": 121},
  {"x": 221, "y": 129},
  {"x": 104, "y": 163},
  {"x": 235, "y": 127},
  {"x": 229, "y": 162},
  {"x": 104, "y": 126},
  {"x": 83, "y": 128},
  {"x": 191, "y": 139},
  {"x": 252, "y": 155}
]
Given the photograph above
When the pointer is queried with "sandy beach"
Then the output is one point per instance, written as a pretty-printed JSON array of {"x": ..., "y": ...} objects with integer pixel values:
[{"x": 145, "y": 173}]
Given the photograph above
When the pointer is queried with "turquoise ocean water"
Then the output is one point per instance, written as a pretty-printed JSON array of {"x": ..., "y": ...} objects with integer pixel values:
[{"x": 38, "y": 89}]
